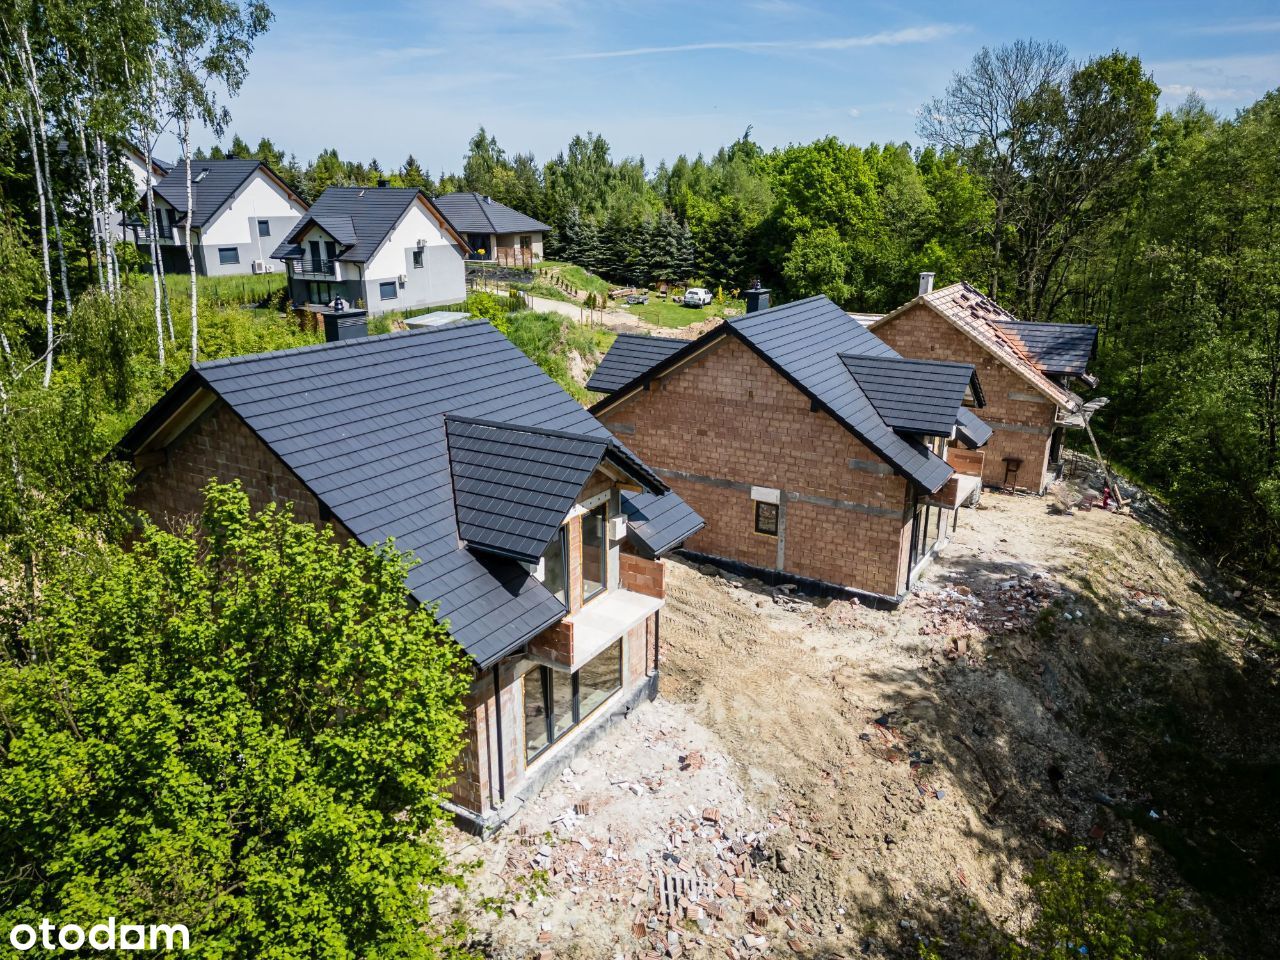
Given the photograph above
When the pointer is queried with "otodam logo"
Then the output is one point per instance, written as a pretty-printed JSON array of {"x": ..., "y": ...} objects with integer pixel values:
[{"x": 47, "y": 935}]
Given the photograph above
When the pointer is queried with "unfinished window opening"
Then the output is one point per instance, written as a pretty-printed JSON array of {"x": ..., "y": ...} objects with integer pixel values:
[
  {"x": 767, "y": 518},
  {"x": 555, "y": 702}
]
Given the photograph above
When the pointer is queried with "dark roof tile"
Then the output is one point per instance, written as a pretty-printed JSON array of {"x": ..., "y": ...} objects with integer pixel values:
[
  {"x": 476, "y": 213},
  {"x": 363, "y": 424},
  {"x": 1057, "y": 348},
  {"x": 629, "y": 356}
]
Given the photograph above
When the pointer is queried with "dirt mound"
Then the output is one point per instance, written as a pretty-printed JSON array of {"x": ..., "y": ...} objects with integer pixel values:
[{"x": 1057, "y": 680}]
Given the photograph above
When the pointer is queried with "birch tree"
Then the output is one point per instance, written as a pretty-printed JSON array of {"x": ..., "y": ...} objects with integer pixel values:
[{"x": 205, "y": 47}]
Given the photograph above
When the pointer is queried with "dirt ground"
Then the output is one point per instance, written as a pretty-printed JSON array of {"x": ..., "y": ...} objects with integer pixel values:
[{"x": 819, "y": 778}]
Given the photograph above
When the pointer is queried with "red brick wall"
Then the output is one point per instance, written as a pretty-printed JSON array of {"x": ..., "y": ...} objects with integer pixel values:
[
  {"x": 1022, "y": 426},
  {"x": 729, "y": 416},
  {"x": 218, "y": 445},
  {"x": 554, "y": 643},
  {"x": 640, "y": 575}
]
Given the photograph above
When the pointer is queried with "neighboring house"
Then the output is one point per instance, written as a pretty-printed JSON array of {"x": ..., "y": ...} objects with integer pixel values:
[
  {"x": 241, "y": 209},
  {"x": 813, "y": 450},
  {"x": 493, "y": 230},
  {"x": 380, "y": 248},
  {"x": 535, "y": 531},
  {"x": 1025, "y": 369},
  {"x": 125, "y": 223}
]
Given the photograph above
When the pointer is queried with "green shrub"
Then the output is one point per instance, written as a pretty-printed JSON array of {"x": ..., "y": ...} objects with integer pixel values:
[
  {"x": 245, "y": 729},
  {"x": 491, "y": 307},
  {"x": 1081, "y": 911}
]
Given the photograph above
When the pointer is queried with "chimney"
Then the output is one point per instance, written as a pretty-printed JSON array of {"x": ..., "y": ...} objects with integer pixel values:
[
  {"x": 345, "y": 324},
  {"x": 757, "y": 296},
  {"x": 383, "y": 183},
  {"x": 926, "y": 283}
]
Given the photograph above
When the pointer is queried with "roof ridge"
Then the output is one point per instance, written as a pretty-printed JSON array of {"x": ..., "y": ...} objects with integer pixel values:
[
  {"x": 901, "y": 359},
  {"x": 1002, "y": 335},
  {"x": 521, "y": 428},
  {"x": 337, "y": 344}
]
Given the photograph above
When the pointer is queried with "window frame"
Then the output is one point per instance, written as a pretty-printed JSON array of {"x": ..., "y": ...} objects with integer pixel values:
[
  {"x": 604, "y": 552},
  {"x": 540, "y": 570},
  {"x": 777, "y": 517},
  {"x": 382, "y": 290},
  {"x": 222, "y": 256},
  {"x": 416, "y": 258},
  {"x": 548, "y": 679},
  {"x": 264, "y": 228}
]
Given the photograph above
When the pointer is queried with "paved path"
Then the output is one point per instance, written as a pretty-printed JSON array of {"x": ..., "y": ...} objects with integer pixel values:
[{"x": 620, "y": 321}]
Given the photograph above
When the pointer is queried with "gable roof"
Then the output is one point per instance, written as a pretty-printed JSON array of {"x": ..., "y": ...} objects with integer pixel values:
[
  {"x": 222, "y": 178},
  {"x": 476, "y": 213},
  {"x": 979, "y": 318},
  {"x": 513, "y": 486},
  {"x": 806, "y": 342},
  {"x": 970, "y": 430},
  {"x": 630, "y": 355},
  {"x": 917, "y": 396},
  {"x": 1057, "y": 348},
  {"x": 359, "y": 218},
  {"x": 362, "y": 424}
]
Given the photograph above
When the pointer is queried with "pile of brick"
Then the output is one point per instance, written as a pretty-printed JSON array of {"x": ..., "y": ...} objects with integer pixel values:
[
  {"x": 1010, "y": 606},
  {"x": 701, "y": 889}
]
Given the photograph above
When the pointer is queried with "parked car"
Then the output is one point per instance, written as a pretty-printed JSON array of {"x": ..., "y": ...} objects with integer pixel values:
[
  {"x": 638, "y": 298},
  {"x": 697, "y": 297}
]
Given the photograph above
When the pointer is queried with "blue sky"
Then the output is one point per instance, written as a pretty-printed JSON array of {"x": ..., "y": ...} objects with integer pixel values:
[{"x": 385, "y": 78}]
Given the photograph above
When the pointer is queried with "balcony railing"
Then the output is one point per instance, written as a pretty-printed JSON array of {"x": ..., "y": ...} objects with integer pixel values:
[
  {"x": 310, "y": 267},
  {"x": 506, "y": 256}
]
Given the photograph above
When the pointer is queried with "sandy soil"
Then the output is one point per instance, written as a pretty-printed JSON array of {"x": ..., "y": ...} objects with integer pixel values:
[{"x": 875, "y": 776}]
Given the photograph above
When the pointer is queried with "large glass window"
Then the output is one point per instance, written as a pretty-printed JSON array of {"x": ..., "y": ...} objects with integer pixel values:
[
  {"x": 595, "y": 551},
  {"x": 387, "y": 290},
  {"x": 600, "y": 679},
  {"x": 228, "y": 255},
  {"x": 535, "y": 712},
  {"x": 553, "y": 567},
  {"x": 555, "y": 702},
  {"x": 562, "y": 715}
]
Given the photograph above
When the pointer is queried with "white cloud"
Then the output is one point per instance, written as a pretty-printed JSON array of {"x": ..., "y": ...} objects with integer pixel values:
[
  {"x": 1209, "y": 94},
  {"x": 885, "y": 38},
  {"x": 855, "y": 112},
  {"x": 1264, "y": 25},
  {"x": 1233, "y": 79}
]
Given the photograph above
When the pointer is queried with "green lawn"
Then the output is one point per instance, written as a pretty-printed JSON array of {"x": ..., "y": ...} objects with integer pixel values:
[{"x": 664, "y": 313}]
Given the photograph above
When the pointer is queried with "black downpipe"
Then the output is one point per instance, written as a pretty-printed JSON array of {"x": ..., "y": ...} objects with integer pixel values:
[{"x": 497, "y": 709}]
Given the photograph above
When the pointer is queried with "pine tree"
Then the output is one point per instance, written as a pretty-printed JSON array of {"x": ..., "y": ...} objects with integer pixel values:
[{"x": 412, "y": 175}]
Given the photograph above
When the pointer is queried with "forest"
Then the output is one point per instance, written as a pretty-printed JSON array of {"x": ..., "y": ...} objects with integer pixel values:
[{"x": 1055, "y": 184}]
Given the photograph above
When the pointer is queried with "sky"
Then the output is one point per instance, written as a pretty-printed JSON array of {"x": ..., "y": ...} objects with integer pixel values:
[{"x": 389, "y": 78}]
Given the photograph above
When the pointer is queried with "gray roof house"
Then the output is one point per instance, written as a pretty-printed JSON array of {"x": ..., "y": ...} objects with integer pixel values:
[
  {"x": 493, "y": 230},
  {"x": 534, "y": 530},
  {"x": 812, "y": 449},
  {"x": 378, "y": 248},
  {"x": 239, "y": 210}
]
